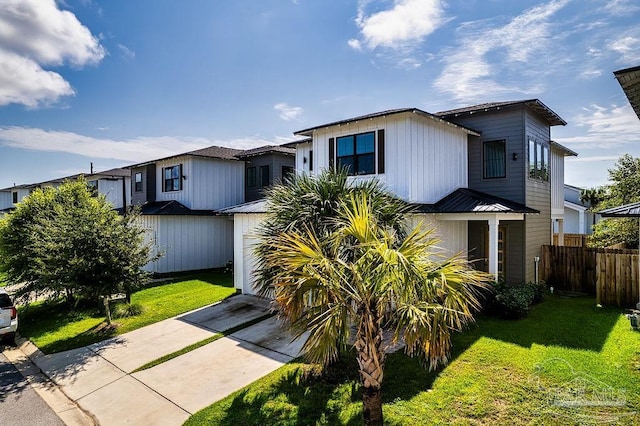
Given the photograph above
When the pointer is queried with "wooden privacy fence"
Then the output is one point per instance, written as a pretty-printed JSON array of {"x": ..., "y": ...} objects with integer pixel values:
[
  {"x": 609, "y": 274},
  {"x": 572, "y": 240}
]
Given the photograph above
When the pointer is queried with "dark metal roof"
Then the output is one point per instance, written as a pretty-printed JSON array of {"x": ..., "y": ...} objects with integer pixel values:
[
  {"x": 628, "y": 210},
  {"x": 564, "y": 149},
  {"x": 268, "y": 149},
  {"x": 629, "y": 80},
  {"x": 171, "y": 208},
  {"x": 535, "y": 104},
  {"x": 465, "y": 200},
  {"x": 309, "y": 131},
  {"x": 296, "y": 143},
  {"x": 219, "y": 152}
]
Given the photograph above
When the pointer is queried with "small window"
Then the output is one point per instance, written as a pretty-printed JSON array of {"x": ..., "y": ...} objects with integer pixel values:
[
  {"x": 251, "y": 177},
  {"x": 92, "y": 186},
  {"x": 14, "y": 195},
  {"x": 287, "y": 172},
  {"x": 265, "y": 179},
  {"x": 172, "y": 178},
  {"x": 138, "y": 182},
  {"x": 356, "y": 153},
  {"x": 494, "y": 159}
]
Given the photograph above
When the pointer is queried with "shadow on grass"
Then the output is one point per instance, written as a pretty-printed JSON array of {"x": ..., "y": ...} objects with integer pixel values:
[{"x": 575, "y": 323}]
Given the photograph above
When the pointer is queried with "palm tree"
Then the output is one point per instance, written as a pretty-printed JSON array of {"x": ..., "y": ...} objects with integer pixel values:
[{"x": 365, "y": 276}]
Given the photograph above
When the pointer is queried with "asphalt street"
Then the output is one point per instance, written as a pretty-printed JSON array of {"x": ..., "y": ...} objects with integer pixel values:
[{"x": 19, "y": 403}]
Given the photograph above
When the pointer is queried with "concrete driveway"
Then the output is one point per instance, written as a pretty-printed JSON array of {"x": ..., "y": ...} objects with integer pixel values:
[{"x": 98, "y": 377}]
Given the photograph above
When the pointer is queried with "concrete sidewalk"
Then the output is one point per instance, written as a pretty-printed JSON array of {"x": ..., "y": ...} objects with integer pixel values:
[{"x": 98, "y": 377}]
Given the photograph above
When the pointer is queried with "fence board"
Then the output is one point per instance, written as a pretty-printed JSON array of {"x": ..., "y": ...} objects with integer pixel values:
[{"x": 612, "y": 275}]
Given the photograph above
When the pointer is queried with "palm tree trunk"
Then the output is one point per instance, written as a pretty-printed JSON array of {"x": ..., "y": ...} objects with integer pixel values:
[{"x": 371, "y": 364}]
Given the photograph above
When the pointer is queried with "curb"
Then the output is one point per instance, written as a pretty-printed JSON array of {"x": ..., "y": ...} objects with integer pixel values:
[{"x": 23, "y": 358}]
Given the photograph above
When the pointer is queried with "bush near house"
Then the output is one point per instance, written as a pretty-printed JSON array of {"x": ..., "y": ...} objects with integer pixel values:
[{"x": 514, "y": 301}]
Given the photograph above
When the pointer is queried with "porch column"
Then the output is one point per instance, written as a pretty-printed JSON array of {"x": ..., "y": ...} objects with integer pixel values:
[
  {"x": 581, "y": 224},
  {"x": 560, "y": 232},
  {"x": 493, "y": 246}
]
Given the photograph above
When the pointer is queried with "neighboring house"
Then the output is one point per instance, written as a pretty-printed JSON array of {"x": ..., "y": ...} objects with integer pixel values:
[
  {"x": 113, "y": 184},
  {"x": 629, "y": 80},
  {"x": 488, "y": 178},
  {"x": 179, "y": 197},
  {"x": 578, "y": 218},
  {"x": 264, "y": 166}
]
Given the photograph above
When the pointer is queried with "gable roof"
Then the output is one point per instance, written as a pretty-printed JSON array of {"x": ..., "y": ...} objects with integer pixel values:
[
  {"x": 465, "y": 200},
  {"x": 170, "y": 208},
  {"x": 219, "y": 152},
  {"x": 629, "y": 80},
  {"x": 309, "y": 131},
  {"x": 535, "y": 104}
]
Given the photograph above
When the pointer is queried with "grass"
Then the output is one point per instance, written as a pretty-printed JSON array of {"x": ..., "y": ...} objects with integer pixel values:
[
  {"x": 2, "y": 281},
  {"x": 201, "y": 343},
  {"x": 53, "y": 328},
  {"x": 501, "y": 372}
]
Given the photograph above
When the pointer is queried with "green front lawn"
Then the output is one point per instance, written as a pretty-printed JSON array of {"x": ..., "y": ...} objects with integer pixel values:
[
  {"x": 2, "y": 281},
  {"x": 502, "y": 372},
  {"x": 53, "y": 328}
]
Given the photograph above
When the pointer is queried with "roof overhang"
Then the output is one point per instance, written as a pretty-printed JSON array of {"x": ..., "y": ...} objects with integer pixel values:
[
  {"x": 565, "y": 151},
  {"x": 534, "y": 104},
  {"x": 629, "y": 80},
  {"x": 574, "y": 206},
  {"x": 309, "y": 132},
  {"x": 469, "y": 204},
  {"x": 627, "y": 210}
]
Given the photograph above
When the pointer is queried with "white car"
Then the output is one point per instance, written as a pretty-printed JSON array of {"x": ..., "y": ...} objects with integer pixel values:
[{"x": 8, "y": 318}]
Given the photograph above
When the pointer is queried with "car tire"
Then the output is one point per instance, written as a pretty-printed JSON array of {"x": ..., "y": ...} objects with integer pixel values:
[{"x": 9, "y": 339}]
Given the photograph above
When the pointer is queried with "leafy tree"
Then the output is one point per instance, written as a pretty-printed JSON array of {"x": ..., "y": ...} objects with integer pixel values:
[
  {"x": 363, "y": 277},
  {"x": 624, "y": 189},
  {"x": 69, "y": 242}
]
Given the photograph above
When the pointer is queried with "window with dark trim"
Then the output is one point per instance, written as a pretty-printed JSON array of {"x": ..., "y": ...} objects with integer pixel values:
[
  {"x": 538, "y": 160},
  {"x": 265, "y": 178},
  {"x": 172, "y": 178},
  {"x": 92, "y": 186},
  {"x": 14, "y": 195},
  {"x": 251, "y": 177},
  {"x": 137, "y": 185},
  {"x": 494, "y": 159},
  {"x": 356, "y": 153}
]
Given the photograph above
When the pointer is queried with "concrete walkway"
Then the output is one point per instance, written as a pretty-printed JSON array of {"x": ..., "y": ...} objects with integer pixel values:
[{"x": 98, "y": 377}]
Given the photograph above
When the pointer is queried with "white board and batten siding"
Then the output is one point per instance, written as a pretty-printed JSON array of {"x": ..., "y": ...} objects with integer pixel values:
[
  {"x": 451, "y": 234},
  {"x": 113, "y": 191},
  {"x": 244, "y": 241},
  {"x": 424, "y": 158},
  {"x": 208, "y": 183},
  {"x": 189, "y": 242}
]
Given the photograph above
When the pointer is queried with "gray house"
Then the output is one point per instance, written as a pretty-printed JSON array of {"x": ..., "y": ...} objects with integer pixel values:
[{"x": 514, "y": 158}]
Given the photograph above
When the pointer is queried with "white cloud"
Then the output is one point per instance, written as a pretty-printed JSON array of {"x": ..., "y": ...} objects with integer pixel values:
[
  {"x": 35, "y": 34},
  {"x": 134, "y": 150},
  {"x": 126, "y": 51},
  {"x": 355, "y": 44},
  {"x": 621, "y": 7},
  {"x": 628, "y": 47},
  {"x": 468, "y": 73},
  {"x": 605, "y": 128},
  {"x": 287, "y": 112},
  {"x": 408, "y": 21}
]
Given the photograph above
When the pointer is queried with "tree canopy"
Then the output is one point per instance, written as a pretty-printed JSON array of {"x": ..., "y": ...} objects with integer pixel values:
[
  {"x": 69, "y": 241},
  {"x": 624, "y": 189},
  {"x": 358, "y": 277}
]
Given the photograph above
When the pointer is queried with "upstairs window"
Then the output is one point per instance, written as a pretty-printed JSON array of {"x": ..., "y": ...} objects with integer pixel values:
[
  {"x": 538, "y": 160},
  {"x": 172, "y": 178},
  {"x": 92, "y": 186},
  {"x": 251, "y": 177},
  {"x": 14, "y": 195},
  {"x": 265, "y": 177},
  {"x": 356, "y": 153},
  {"x": 494, "y": 158},
  {"x": 137, "y": 185}
]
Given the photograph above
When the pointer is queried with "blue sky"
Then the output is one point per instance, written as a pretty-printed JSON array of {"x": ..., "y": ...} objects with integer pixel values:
[{"x": 118, "y": 82}]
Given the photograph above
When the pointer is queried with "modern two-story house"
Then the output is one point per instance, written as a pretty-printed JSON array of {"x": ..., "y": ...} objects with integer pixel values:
[
  {"x": 179, "y": 196},
  {"x": 488, "y": 178}
]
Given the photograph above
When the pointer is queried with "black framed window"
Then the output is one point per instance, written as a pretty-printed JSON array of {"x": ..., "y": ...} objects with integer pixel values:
[
  {"x": 172, "y": 178},
  {"x": 137, "y": 184},
  {"x": 494, "y": 158},
  {"x": 251, "y": 177},
  {"x": 357, "y": 153},
  {"x": 265, "y": 178},
  {"x": 539, "y": 162},
  {"x": 92, "y": 186},
  {"x": 14, "y": 195}
]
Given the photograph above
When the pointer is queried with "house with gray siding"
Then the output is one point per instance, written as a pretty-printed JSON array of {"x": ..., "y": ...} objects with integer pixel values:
[{"x": 484, "y": 178}]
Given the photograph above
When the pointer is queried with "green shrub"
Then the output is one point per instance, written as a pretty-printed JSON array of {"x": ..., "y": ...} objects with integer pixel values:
[
  {"x": 125, "y": 310},
  {"x": 514, "y": 301}
]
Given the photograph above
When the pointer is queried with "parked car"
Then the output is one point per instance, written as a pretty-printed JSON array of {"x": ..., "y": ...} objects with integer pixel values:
[{"x": 8, "y": 318}]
